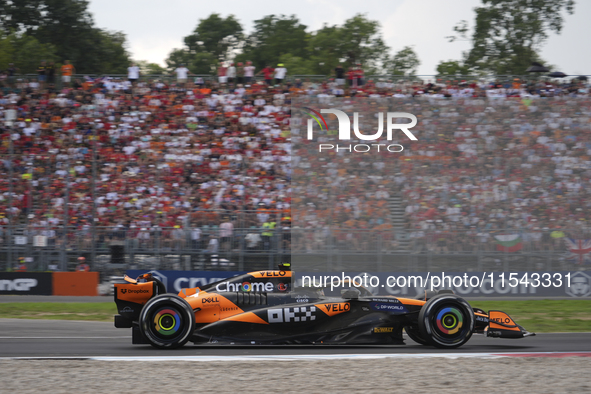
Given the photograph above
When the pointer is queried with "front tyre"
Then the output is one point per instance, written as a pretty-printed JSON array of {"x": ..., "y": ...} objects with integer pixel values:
[
  {"x": 167, "y": 321},
  {"x": 446, "y": 321}
]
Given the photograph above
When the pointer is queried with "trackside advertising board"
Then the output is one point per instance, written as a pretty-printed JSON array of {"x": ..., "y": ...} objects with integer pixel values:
[
  {"x": 576, "y": 284},
  {"x": 26, "y": 283}
]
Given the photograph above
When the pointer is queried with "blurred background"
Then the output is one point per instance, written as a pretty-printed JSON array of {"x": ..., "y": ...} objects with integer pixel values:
[{"x": 187, "y": 161}]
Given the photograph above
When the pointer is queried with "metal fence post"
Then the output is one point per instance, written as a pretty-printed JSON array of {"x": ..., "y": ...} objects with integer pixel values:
[
  {"x": 10, "y": 238},
  {"x": 94, "y": 218},
  {"x": 63, "y": 264}
]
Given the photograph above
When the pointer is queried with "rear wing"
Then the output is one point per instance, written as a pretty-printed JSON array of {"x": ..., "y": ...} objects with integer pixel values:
[{"x": 131, "y": 295}]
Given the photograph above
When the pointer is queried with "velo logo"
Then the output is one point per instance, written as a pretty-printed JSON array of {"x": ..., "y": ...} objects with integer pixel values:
[{"x": 344, "y": 132}]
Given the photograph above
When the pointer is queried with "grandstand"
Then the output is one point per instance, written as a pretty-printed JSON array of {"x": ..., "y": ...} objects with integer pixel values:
[{"x": 200, "y": 176}]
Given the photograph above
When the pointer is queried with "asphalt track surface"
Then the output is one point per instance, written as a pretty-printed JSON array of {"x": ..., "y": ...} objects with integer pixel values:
[{"x": 58, "y": 338}]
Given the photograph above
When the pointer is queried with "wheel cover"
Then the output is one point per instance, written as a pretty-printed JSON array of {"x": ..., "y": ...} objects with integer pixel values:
[
  {"x": 167, "y": 321},
  {"x": 449, "y": 320},
  {"x": 449, "y": 324}
]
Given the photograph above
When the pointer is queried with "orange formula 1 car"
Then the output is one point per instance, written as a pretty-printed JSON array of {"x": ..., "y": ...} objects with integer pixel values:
[{"x": 262, "y": 308}]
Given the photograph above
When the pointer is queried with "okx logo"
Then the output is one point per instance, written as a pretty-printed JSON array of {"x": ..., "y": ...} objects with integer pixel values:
[{"x": 344, "y": 131}]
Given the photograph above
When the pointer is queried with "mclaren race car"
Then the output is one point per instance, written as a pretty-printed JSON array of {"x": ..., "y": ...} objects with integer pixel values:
[{"x": 262, "y": 308}]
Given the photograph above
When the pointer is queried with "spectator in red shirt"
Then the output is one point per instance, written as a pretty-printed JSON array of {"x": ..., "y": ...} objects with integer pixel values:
[
  {"x": 268, "y": 72},
  {"x": 21, "y": 267},
  {"x": 359, "y": 75},
  {"x": 351, "y": 77},
  {"x": 82, "y": 266}
]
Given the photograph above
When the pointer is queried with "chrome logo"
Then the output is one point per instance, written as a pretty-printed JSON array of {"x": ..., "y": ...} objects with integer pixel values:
[
  {"x": 246, "y": 286},
  {"x": 449, "y": 320},
  {"x": 167, "y": 321}
]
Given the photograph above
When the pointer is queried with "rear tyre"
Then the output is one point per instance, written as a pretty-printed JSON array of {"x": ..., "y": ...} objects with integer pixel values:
[
  {"x": 415, "y": 335},
  {"x": 167, "y": 321},
  {"x": 446, "y": 321}
]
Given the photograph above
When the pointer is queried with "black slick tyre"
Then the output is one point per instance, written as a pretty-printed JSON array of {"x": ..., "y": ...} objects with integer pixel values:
[
  {"x": 446, "y": 321},
  {"x": 415, "y": 335},
  {"x": 167, "y": 321}
]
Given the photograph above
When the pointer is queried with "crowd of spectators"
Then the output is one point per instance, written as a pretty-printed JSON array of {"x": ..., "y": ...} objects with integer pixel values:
[
  {"x": 491, "y": 159},
  {"x": 175, "y": 160}
]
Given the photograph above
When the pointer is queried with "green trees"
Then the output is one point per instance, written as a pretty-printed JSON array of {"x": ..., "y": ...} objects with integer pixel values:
[
  {"x": 324, "y": 51},
  {"x": 215, "y": 35},
  {"x": 361, "y": 42},
  {"x": 508, "y": 34},
  {"x": 404, "y": 62},
  {"x": 284, "y": 39},
  {"x": 25, "y": 52},
  {"x": 505, "y": 38},
  {"x": 147, "y": 68},
  {"x": 63, "y": 29},
  {"x": 214, "y": 39},
  {"x": 274, "y": 37},
  {"x": 452, "y": 68},
  {"x": 110, "y": 54},
  {"x": 197, "y": 63}
]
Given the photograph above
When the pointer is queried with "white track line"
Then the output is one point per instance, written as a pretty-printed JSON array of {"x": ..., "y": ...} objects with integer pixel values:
[
  {"x": 301, "y": 357},
  {"x": 296, "y": 357}
]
